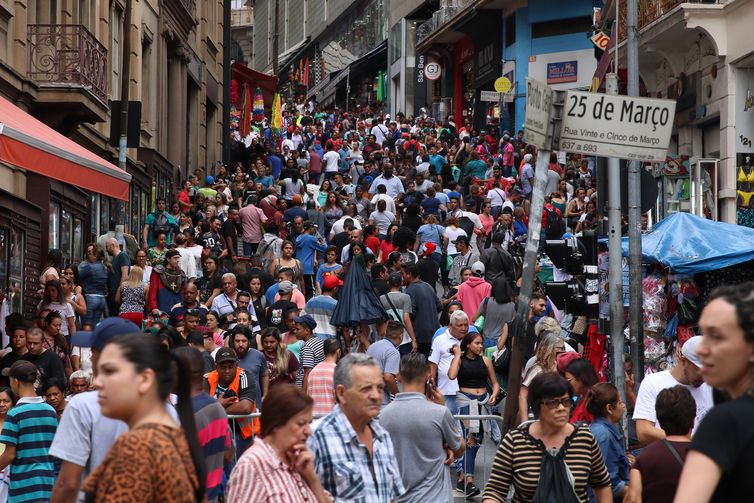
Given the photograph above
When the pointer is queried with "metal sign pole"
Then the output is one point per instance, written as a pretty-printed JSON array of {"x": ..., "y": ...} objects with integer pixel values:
[{"x": 615, "y": 261}]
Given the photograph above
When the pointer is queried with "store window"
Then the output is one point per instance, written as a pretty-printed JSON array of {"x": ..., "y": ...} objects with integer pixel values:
[
  {"x": 12, "y": 266},
  {"x": 54, "y": 226},
  {"x": 78, "y": 239},
  {"x": 95, "y": 218},
  {"x": 66, "y": 236},
  {"x": 104, "y": 216}
]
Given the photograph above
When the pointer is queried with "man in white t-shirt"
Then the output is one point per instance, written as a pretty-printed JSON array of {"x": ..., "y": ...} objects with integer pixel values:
[
  {"x": 380, "y": 132},
  {"x": 687, "y": 374},
  {"x": 442, "y": 355},
  {"x": 331, "y": 159}
]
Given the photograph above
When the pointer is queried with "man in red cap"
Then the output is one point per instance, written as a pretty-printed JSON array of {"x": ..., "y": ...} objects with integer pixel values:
[
  {"x": 429, "y": 271},
  {"x": 322, "y": 307}
]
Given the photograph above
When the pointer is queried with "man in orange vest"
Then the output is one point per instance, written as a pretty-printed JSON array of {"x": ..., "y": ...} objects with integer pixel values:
[{"x": 235, "y": 391}]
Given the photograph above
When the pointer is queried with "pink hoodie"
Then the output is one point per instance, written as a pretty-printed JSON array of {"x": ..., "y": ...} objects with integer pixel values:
[{"x": 471, "y": 293}]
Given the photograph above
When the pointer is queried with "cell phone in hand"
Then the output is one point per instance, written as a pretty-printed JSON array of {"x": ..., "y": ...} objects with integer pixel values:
[
  {"x": 229, "y": 394},
  {"x": 429, "y": 388}
]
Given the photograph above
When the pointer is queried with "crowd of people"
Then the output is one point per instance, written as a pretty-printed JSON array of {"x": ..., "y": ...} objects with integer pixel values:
[{"x": 361, "y": 272}]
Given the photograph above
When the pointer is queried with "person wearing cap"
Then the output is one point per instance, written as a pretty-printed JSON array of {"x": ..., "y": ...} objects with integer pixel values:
[
  {"x": 27, "y": 434},
  {"x": 85, "y": 436},
  {"x": 429, "y": 271},
  {"x": 465, "y": 257},
  {"x": 322, "y": 307},
  {"x": 278, "y": 310},
  {"x": 236, "y": 391},
  {"x": 687, "y": 373},
  {"x": 166, "y": 284},
  {"x": 472, "y": 292},
  {"x": 312, "y": 349},
  {"x": 307, "y": 246}
]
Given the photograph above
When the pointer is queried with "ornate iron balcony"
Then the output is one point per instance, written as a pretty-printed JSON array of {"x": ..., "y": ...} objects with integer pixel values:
[{"x": 68, "y": 55}]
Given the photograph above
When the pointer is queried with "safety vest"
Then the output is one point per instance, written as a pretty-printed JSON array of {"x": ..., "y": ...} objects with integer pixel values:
[{"x": 248, "y": 425}]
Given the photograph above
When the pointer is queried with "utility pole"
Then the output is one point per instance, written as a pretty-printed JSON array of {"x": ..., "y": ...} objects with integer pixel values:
[
  {"x": 226, "y": 82},
  {"x": 125, "y": 76},
  {"x": 634, "y": 206},
  {"x": 615, "y": 259},
  {"x": 275, "y": 35}
]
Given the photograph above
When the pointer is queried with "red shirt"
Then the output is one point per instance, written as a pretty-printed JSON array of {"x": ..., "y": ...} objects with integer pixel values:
[
  {"x": 373, "y": 243},
  {"x": 184, "y": 198},
  {"x": 544, "y": 214},
  {"x": 387, "y": 248}
]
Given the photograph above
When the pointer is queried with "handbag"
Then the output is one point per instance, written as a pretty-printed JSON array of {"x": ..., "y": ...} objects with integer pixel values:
[{"x": 479, "y": 323}]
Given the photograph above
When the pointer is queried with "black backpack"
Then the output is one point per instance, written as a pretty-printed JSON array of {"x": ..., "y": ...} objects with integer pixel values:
[
  {"x": 467, "y": 225},
  {"x": 555, "y": 227},
  {"x": 161, "y": 224},
  {"x": 554, "y": 484}
]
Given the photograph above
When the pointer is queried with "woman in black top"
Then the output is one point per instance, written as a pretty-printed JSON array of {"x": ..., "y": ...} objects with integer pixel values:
[
  {"x": 718, "y": 465},
  {"x": 475, "y": 375}
]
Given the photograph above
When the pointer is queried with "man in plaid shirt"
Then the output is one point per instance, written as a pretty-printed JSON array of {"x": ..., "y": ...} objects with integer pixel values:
[{"x": 354, "y": 456}]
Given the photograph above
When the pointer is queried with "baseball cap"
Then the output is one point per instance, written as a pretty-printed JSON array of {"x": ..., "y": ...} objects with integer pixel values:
[
  {"x": 306, "y": 319},
  {"x": 210, "y": 180},
  {"x": 285, "y": 287},
  {"x": 427, "y": 248},
  {"x": 461, "y": 239},
  {"x": 103, "y": 332},
  {"x": 477, "y": 268},
  {"x": 689, "y": 350},
  {"x": 331, "y": 282},
  {"x": 563, "y": 359},
  {"x": 23, "y": 370},
  {"x": 225, "y": 355}
]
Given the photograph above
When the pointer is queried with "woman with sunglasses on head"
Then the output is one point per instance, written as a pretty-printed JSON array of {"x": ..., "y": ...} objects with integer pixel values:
[
  {"x": 156, "y": 460},
  {"x": 519, "y": 459},
  {"x": 76, "y": 300},
  {"x": 545, "y": 360}
]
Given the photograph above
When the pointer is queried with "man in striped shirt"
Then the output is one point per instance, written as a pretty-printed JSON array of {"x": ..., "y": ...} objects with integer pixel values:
[
  {"x": 27, "y": 434},
  {"x": 320, "y": 382}
]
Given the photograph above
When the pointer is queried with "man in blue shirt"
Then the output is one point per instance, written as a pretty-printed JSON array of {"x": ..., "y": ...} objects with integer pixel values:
[
  {"x": 275, "y": 164},
  {"x": 306, "y": 248},
  {"x": 436, "y": 160}
]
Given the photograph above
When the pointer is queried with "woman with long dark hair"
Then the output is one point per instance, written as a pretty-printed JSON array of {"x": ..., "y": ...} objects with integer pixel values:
[
  {"x": 498, "y": 309},
  {"x": 93, "y": 276},
  {"x": 581, "y": 376},
  {"x": 54, "y": 299},
  {"x": 135, "y": 375},
  {"x": 52, "y": 268}
]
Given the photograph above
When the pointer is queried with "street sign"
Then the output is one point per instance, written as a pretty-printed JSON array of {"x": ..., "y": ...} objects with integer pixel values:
[
  {"x": 626, "y": 127},
  {"x": 503, "y": 85},
  {"x": 490, "y": 96},
  {"x": 537, "y": 114},
  {"x": 600, "y": 39}
]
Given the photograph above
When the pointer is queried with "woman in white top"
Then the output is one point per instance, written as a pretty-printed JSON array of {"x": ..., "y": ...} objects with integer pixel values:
[
  {"x": 381, "y": 218},
  {"x": 54, "y": 299},
  {"x": 453, "y": 231}
]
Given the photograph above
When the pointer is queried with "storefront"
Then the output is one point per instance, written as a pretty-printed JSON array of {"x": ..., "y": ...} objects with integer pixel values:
[
  {"x": 21, "y": 253},
  {"x": 487, "y": 37}
]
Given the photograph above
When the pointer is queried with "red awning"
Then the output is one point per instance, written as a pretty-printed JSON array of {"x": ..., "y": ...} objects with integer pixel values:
[
  {"x": 267, "y": 83},
  {"x": 30, "y": 144}
]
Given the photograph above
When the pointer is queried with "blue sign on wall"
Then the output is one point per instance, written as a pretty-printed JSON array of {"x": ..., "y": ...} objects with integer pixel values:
[{"x": 563, "y": 72}]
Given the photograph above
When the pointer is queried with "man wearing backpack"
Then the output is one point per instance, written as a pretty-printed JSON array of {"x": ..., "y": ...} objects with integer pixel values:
[
  {"x": 156, "y": 222},
  {"x": 552, "y": 220}
]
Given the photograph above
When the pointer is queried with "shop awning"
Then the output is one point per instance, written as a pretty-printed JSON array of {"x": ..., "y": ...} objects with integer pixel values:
[
  {"x": 267, "y": 83},
  {"x": 372, "y": 60},
  {"x": 30, "y": 144}
]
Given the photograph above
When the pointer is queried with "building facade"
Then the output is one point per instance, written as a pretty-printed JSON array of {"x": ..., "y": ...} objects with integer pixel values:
[{"x": 61, "y": 62}]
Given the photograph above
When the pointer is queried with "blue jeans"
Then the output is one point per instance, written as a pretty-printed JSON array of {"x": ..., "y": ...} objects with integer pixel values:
[
  {"x": 469, "y": 457},
  {"x": 249, "y": 249},
  {"x": 95, "y": 308}
]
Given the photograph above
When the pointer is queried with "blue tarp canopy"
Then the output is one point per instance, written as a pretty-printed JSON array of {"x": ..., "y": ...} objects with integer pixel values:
[{"x": 689, "y": 244}]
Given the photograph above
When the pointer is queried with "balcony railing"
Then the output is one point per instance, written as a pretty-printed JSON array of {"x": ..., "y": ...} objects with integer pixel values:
[
  {"x": 652, "y": 10},
  {"x": 440, "y": 17},
  {"x": 67, "y": 55}
]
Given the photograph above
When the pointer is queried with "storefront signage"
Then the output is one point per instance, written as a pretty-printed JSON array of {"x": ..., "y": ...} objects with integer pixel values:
[
  {"x": 600, "y": 39},
  {"x": 503, "y": 85},
  {"x": 490, "y": 96},
  {"x": 538, "y": 105},
  {"x": 420, "y": 69},
  {"x": 636, "y": 129},
  {"x": 562, "y": 72},
  {"x": 432, "y": 70}
]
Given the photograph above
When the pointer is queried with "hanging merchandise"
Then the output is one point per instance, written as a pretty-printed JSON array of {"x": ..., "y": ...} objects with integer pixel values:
[
  {"x": 277, "y": 114},
  {"x": 234, "y": 91},
  {"x": 235, "y": 118},
  {"x": 655, "y": 303},
  {"x": 306, "y": 73},
  {"x": 246, "y": 111},
  {"x": 258, "y": 110}
]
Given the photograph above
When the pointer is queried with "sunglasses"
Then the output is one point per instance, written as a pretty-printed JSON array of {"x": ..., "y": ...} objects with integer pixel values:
[{"x": 553, "y": 403}]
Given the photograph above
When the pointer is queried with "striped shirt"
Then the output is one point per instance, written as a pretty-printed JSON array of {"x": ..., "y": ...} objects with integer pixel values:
[
  {"x": 345, "y": 467},
  {"x": 260, "y": 476},
  {"x": 30, "y": 427},
  {"x": 312, "y": 353},
  {"x": 519, "y": 458},
  {"x": 320, "y": 388},
  {"x": 214, "y": 436},
  {"x": 322, "y": 308}
]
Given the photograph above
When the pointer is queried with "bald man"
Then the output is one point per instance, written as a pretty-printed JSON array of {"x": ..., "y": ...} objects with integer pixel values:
[{"x": 119, "y": 272}]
